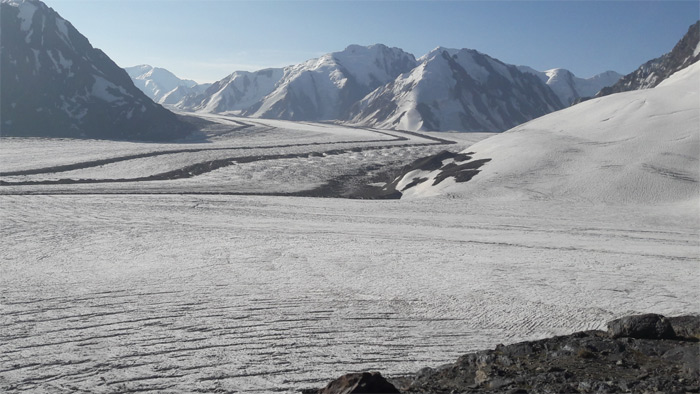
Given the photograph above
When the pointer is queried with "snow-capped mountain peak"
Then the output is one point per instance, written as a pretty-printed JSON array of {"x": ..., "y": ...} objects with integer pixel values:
[
  {"x": 372, "y": 64},
  {"x": 437, "y": 51},
  {"x": 237, "y": 92},
  {"x": 456, "y": 89},
  {"x": 156, "y": 82},
  {"x": 568, "y": 87},
  {"x": 323, "y": 88}
]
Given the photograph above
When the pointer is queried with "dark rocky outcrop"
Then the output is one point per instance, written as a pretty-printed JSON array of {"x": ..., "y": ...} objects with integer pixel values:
[
  {"x": 638, "y": 354},
  {"x": 647, "y": 326},
  {"x": 365, "y": 382},
  {"x": 462, "y": 168},
  {"x": 686, "y": 327}
]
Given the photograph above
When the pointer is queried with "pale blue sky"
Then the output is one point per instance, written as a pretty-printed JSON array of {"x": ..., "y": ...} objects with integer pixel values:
[{"x": 206, "y": 40}]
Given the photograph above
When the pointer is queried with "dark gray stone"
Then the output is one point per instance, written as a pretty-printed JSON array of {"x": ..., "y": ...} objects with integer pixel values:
[
  {"x": 686, "y": 326},
  {"x": 365, "y": 382},
  {"x": 647, "y": 326}
]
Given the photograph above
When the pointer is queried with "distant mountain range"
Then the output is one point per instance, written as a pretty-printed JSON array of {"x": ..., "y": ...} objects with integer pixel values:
[
  {"x": 378, "y": 86},
  {"x": 54, "y": 83},
  {"x": 319, "y": 89},
  {"x": 570, "y": 88}
]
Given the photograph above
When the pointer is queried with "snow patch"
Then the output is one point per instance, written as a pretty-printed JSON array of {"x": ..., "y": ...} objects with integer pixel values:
[
  {"x": 61, "y": 64},
  {"x": 37, "y": 63},
  {"x": 62, "y": 26},
  {"x": 104, "y": 90},
  {"x": 26, "y": 12}
]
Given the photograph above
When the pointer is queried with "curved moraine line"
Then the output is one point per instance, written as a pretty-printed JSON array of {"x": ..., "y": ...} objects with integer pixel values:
[{"x": 206, "y": 166}]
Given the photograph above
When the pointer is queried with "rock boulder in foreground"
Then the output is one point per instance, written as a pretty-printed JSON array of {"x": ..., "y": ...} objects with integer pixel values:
[{"x": 365, "y": 382}]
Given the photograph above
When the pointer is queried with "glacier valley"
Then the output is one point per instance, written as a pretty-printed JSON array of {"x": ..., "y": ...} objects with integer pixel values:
[{"x": 123, "y": 283}]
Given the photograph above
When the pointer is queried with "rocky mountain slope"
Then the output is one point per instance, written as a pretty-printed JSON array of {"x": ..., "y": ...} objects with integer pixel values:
[
  {"x": 653, "y": 72},
  {"x": 161, "y": 85},
  {"x": 461, "y": 90},
  {"x": 570, "y": 88},
  {"x": 54, "y": 83}
]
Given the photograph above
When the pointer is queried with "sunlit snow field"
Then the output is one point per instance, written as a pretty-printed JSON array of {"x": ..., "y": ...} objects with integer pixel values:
[{"x": 135, "y": 286}]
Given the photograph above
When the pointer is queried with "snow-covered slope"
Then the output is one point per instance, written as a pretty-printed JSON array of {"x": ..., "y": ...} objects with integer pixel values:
[
  {"x": 569, "y": 87},
  {"x": 54, "y": 83},
  {"x": 460, "y": 90},
  {"x": 634, "y": 147},
  {"x": 319, "y": 89},
  {"x": 156, "y": 82},
  {"x": 181, "y": 92},
  {"x": 651, "y": 73}
]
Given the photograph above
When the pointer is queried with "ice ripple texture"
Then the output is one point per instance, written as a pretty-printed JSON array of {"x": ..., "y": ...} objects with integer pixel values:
[{"x": 259, "y": 294}]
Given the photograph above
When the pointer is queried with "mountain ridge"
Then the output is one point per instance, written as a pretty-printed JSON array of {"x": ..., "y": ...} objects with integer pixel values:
[
  {"x": 463, "y": 90},
  {"x": 354, "y": 86},
  {"x": 322, "y": 88}
]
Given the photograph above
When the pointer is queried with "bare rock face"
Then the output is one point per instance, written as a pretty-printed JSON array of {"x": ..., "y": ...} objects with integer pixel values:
[
  {"x": 647, "y": 326},
  {"x": 365, "y": 382},
  {"x": 687, "y": 327}
]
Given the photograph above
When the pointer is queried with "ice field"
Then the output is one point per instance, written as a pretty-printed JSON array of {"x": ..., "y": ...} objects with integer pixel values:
[{"x": 128, "y": 284}]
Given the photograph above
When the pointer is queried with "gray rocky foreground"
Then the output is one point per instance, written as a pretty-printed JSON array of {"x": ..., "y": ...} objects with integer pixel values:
[{"x": 637, "y": 354}]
